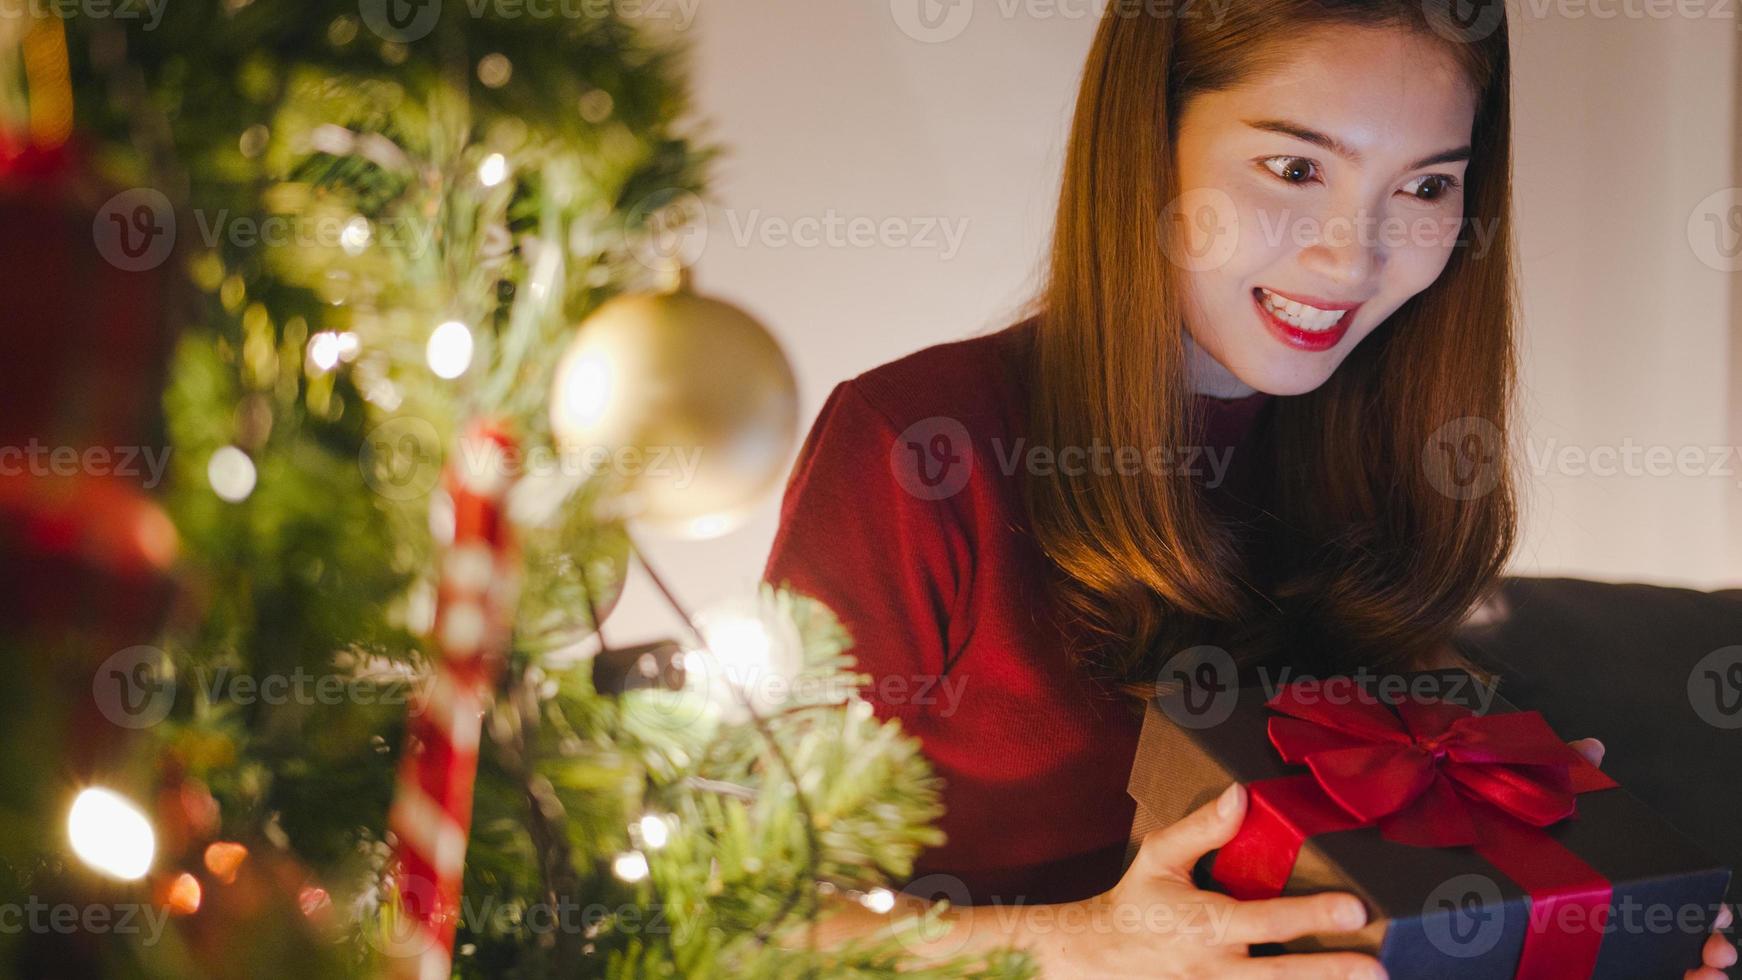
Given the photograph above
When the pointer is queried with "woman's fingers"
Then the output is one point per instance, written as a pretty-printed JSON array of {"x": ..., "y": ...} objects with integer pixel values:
[
  {"x": 1313, "y": 966},
  {"x": 1718, "y": 953},
  {"x": 1172, "y": 850},
  {"x": 1591, "y": 749},
  {"x": 1277, "y": 920}
]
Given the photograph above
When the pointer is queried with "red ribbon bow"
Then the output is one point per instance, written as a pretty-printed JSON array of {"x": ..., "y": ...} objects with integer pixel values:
[
  {"x": 1416, "y": 772},
  {"x": 1429, "y": 774}
]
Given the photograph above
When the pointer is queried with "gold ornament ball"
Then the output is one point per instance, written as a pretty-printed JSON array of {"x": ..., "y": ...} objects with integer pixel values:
[{"x": 699, "y": 388}]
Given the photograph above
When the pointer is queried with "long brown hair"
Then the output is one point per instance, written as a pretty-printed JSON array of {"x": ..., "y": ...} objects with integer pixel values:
[{"x": 1366, "y": 556}]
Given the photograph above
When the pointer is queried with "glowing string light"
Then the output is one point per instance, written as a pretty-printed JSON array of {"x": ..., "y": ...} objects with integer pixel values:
[{"x": 110, "y": 834}]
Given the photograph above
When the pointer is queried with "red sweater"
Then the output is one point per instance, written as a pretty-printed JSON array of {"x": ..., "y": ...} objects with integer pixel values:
[{"x": 947, "y": 597}]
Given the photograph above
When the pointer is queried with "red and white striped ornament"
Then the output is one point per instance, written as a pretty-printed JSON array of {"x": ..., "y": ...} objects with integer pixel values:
[{"x": 432, "y": 803}]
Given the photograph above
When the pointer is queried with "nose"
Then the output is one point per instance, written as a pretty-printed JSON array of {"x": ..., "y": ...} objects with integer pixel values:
[{"x": 1347, "y": 251}]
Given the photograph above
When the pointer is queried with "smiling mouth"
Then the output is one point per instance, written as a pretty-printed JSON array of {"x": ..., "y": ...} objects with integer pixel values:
[{"x": 1302, "y": 325}]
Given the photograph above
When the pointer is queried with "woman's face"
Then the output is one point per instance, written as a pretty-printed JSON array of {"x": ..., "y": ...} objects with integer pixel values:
[{"x": 1316, "y": 199}]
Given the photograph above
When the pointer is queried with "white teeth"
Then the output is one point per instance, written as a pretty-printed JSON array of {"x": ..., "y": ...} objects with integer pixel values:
[{"x": 1299, "y": 314}]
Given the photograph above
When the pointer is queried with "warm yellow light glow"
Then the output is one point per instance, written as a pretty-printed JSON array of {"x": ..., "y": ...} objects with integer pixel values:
[
  {"x": 355, "y": 236},
  {"x": 880, "y": 900},
  {"x": 224, "y": 859},
  {"x": 654, "y": 831},
  {"x": 493, "y": 170},
  {"x": 184, "y": 894},
  {"x": 231, "y": 474},
  {"x": 742, "y": 644},
  {"x": 323, "y": 350},
  {"x": 630, "y": 866},
  {"x": 583, "y": 391},
  {"x": 450, "y": 350},
  {"x": 750, "y": 658},
  {"x": 110, "y": 834}
]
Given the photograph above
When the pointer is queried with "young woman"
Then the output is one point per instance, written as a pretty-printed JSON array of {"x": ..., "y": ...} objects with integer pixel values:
[{"x": 1281, "y": 273}]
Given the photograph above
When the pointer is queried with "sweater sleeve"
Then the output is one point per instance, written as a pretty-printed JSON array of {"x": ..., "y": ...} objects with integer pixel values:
[{"x": 886, "y": 562}]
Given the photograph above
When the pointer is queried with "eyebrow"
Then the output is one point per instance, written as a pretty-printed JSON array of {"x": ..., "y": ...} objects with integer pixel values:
[{"x": 1345, "y": 151}]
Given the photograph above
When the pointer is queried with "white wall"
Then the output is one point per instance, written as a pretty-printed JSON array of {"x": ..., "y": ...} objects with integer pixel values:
[
  {"x": 830, "y": 109},
  {"x": 1625, "y": 126}
]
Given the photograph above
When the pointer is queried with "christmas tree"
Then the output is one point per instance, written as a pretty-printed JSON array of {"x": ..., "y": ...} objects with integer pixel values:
[{"x": 342, "y": 701}]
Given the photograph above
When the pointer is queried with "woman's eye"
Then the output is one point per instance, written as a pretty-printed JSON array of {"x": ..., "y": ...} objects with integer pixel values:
[
  {"x": 1293, "y": 170},
  {"x": 1431, "y": 187}
]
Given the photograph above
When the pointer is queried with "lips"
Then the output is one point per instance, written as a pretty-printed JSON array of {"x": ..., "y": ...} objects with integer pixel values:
[{"x": 1303, "y": 322}]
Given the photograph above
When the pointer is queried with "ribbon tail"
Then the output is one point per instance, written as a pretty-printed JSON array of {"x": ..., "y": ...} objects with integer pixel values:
[
  {"x": 1570, "y": 901},
  {"x": 1281, "y": 815}
]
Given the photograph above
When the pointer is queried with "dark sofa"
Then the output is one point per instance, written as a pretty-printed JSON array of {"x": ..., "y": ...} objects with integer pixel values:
[{"x": 1648, "y": 670}]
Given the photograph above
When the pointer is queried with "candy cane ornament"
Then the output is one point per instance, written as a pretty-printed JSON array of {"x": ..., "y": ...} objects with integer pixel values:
[{"x": 432, "y": 801}]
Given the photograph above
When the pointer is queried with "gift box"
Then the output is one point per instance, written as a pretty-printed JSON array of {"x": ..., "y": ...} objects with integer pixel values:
[{"x": 1481, "y": 845}]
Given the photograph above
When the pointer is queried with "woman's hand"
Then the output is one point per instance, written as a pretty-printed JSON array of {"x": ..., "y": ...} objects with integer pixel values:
[
  {"x": 1159, "y": 925},
  {"x": 1154, "y": 923},
  {"x": 1718, "y": 955}
]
